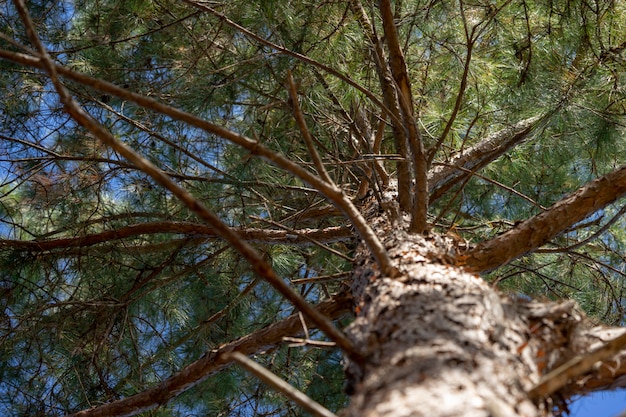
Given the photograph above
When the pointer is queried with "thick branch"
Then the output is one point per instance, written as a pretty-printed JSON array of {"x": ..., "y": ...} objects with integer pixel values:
[
  {"x": 577, "y": 357},
  {"x": 610, "y": 373},
  {"x": 252, "y": 235},
  {"x": 405, "y": 98},
  {"x": 392, "y": 105},
  {"x": 396, "y": 56},
  {"x": 579, "y": 366},
  {"x": 543, "y": 227},
  {"x": 214, "y": 361},
  {"x": 441, "y": 178}
]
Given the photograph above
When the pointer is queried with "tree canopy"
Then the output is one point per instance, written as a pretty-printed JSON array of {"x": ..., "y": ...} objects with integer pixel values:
[{"x": 275, "y": 118}]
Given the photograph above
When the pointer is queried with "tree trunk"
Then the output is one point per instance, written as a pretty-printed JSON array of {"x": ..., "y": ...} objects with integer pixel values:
[{"x": 439, "y": 341}]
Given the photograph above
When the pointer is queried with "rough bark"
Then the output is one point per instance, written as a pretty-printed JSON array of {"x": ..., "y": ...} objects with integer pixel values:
[{"x": 439, "y": 341}]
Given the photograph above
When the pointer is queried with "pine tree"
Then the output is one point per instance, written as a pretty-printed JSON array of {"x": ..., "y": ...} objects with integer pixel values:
[{"x": 408, "y": 208}]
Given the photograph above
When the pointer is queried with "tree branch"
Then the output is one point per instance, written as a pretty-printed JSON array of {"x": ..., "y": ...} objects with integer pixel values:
[
  {"x": 469, "y": 37},
  {"x": 494, "y": 182},
  {"x": 405, "y": 98},
  {"x": 306, "y": 135},
  {"x": 214, "y": 361},
  {"x": 333, "y": 194},
  {"x": 253, "y": 257},
  {"x": 577, "y": 367},
  {"x": 441, "y": 178},
  {"x": 391, "y": 104},
  {"x": 252, "y": 235},
  {"x": 543, "y": 227}
]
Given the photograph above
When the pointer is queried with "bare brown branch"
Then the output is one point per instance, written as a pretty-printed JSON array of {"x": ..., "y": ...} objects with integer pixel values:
[
  {"x": 252, "y": 235},
  {"x": 540, "y": 229}
]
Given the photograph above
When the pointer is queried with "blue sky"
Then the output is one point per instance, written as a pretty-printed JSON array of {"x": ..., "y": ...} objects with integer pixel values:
[{"x": 600, "y": 404}]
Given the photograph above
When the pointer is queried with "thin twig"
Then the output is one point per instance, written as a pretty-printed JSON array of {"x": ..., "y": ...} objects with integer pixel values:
[
  {"x": 470, "y": 39},
  {"x": 472, "y": 173},
  {"x": 298, "y": 342}
]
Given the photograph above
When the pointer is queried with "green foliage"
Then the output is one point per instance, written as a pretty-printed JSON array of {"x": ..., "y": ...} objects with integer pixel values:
[{"x": 88, "y": 323}]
